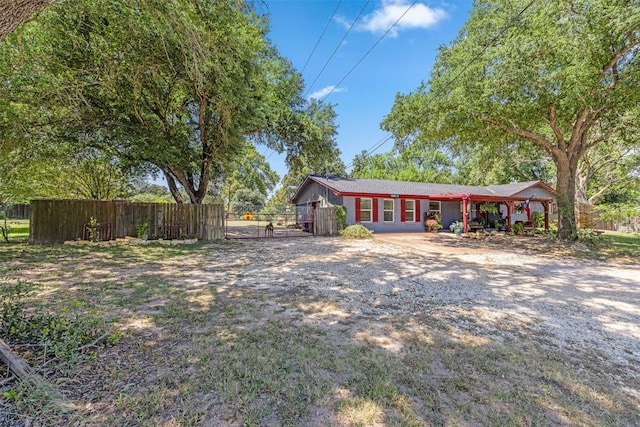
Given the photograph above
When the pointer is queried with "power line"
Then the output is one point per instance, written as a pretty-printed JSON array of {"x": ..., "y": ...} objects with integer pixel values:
[
  {"x": 464, "y": 69},
  {"x": 337, "y": 47},
  {"x": 321, "y": 35},
  {"x": 370, "y": 49}
]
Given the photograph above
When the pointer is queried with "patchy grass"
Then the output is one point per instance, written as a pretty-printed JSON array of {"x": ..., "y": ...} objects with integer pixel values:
[
  {"x": 193, "y": 349},
  {"x": 18, "y": 229},
  {"x": 623, "y": 242}
]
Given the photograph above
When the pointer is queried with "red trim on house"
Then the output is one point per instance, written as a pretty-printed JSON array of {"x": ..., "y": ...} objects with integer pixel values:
[
  {"x": 358, "y": 212},
  {"x": 435, "y": 197},
  {"x": 403, "y": 210},
  {"x": 375, "y": 209},
  {"x": 417, "y": 208}
]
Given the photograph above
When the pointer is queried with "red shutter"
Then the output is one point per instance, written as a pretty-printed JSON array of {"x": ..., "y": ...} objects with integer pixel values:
[
  {"x": 375, "y": 210},
  {"x": 358, "y": 216},
  {"x": 417, "y": 204},
  {"x": 403, "y": 212}
]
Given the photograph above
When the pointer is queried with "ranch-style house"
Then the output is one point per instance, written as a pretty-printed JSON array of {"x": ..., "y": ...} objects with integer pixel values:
[{"x": 399, "y": 206}]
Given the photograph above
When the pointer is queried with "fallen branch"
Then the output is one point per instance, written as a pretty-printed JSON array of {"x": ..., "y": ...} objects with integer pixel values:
[
  {"x": 23, "y": 371},
  {"x": 93, "y": 344},
  {"x": 9, "y": 380},
  {"x": 15, "y": 364}
]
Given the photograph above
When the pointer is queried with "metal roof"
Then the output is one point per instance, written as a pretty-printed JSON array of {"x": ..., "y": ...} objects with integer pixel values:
[{"x": 355, "y": 186}]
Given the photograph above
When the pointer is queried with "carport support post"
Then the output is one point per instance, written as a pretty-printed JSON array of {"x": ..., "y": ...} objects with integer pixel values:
[
  {"x": 465, "y": 221},
  {"x": 545, "y": 205},
  {"x": 509, "y": 209}
]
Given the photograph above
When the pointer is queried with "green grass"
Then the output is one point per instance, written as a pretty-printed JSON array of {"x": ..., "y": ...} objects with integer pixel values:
[
  {"x": 624, "y": 240},
  {"x": 18, "y": 229},
  {"x": 620, "y": 246}
]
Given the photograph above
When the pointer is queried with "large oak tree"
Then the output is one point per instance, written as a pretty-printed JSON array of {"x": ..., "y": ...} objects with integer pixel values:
[
  {"x": 180, "y": 85},
  {"x": 560, "y": 75}
]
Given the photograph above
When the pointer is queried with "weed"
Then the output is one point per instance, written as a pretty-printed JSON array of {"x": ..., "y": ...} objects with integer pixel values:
[
  {"x": 590, "y": 237},
  {"x": 58, "y": 336}
]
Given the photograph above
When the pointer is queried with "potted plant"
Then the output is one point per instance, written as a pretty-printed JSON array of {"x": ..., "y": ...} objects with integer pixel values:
[
  {"x": 518, "y": 227},
  {"x": 457, "y": 227},
  {"x": 432, "y": 222},
  {"x": 433, "y": 225}
]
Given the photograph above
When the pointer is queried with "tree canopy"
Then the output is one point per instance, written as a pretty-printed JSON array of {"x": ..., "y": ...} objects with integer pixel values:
[
  {"x": 412, "y": 164},
  {"x": 180, "y": 85},
  {"x": 561, "y": 76}
]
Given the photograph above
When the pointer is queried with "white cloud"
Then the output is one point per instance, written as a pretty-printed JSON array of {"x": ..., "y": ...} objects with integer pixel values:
[
  {"x": 325, "y": 91},
  {"x": 419, "y": 16}
]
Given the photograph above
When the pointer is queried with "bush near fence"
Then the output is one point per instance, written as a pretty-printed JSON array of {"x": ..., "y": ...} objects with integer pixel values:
[{"x": 54, "y": 221}]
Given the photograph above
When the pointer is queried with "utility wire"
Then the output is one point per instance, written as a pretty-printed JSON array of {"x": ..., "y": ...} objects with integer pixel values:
[
  {"x": 464, "y": 69},
  {"x": 370, "y": 49},
  {"x": 337, "y": 47},
  {"x": 321, "y": 36}
]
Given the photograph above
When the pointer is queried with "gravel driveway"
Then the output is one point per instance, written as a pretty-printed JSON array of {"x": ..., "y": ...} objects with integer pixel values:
[{"x": 574, "y": 305}]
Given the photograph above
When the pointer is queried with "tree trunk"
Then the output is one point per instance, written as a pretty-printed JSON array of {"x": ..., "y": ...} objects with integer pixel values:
[
  {"x": 14, "y": 12},
  {"x": 173, "y": 188},
  {"x": 566, "y": 195}
]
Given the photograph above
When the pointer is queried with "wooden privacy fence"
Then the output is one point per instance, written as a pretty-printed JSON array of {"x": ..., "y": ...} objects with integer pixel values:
[
  {"x": 325, "y": 222},
  {"x": 588, "y": 218},
  {"x": 53, "y": 221},
  {"x": 18, "y": 211}
]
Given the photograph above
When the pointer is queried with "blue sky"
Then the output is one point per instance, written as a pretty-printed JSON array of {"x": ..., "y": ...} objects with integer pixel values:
[{"x": 362, "y": 94}]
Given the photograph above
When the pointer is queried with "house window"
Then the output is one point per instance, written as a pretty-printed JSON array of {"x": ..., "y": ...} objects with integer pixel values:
[
  {"x": 434, "y": 208},
  {"x": 410, "y": 210},
  {"x": 365, "y": 210},
  {"x": 388, "y": 210}
]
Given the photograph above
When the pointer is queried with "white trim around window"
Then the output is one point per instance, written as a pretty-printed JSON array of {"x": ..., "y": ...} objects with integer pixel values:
[
  {"x": 388, "y": 210},
  {"x": 410, "y": 210},
  {"x": 366, "y": 210},
  {"x": 435, "y": 207}
]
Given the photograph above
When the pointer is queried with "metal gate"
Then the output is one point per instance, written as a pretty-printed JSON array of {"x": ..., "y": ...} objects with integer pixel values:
[{"x": 266, "y": 226}]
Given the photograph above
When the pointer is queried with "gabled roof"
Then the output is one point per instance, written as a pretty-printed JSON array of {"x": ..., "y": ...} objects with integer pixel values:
[{"x": 422, "y": 190}]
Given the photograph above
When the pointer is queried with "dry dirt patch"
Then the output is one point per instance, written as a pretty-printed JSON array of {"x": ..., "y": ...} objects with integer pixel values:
[{"x": 332, "y": 332}]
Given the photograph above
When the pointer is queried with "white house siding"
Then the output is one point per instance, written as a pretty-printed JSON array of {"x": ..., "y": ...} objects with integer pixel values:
[{"x": 381, "y": 226}]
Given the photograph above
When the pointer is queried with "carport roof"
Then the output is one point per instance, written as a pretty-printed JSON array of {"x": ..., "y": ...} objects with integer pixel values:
[{"x": 421, "y": 190}]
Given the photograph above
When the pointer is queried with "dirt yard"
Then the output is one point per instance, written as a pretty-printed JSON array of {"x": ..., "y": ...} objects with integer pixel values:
[{"x": 398, "y": 330}]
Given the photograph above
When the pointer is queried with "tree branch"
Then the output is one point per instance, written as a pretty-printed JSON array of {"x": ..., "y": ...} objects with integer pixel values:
[
  {"x": 553, "y": 124},
  {"x": 542, "y": 141}
]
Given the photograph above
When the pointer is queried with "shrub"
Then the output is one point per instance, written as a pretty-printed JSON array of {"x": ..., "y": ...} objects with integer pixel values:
[
  {"x": 341, "y": 217},
  {"x": 537, "y": 218},
  {"x": 356, "y": 232},
  {"x": 590, "y": 237},
  {"x": 517, "y": 227}
]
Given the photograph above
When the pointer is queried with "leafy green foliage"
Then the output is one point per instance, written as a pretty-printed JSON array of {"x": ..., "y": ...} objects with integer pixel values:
[
  {"x": 517, "y": 80},
  {"x": 61, "y": 335},
  {"x": 247, "y": 200},
  {"x": 356, "y": 231},
  {"x": 178, "y": 85},
  {"x": 412, "y": 164},
  {"x": 590, "y": 237},
  {"x": 538, "y": 219},
  {"x": 341, "y": 216}
]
